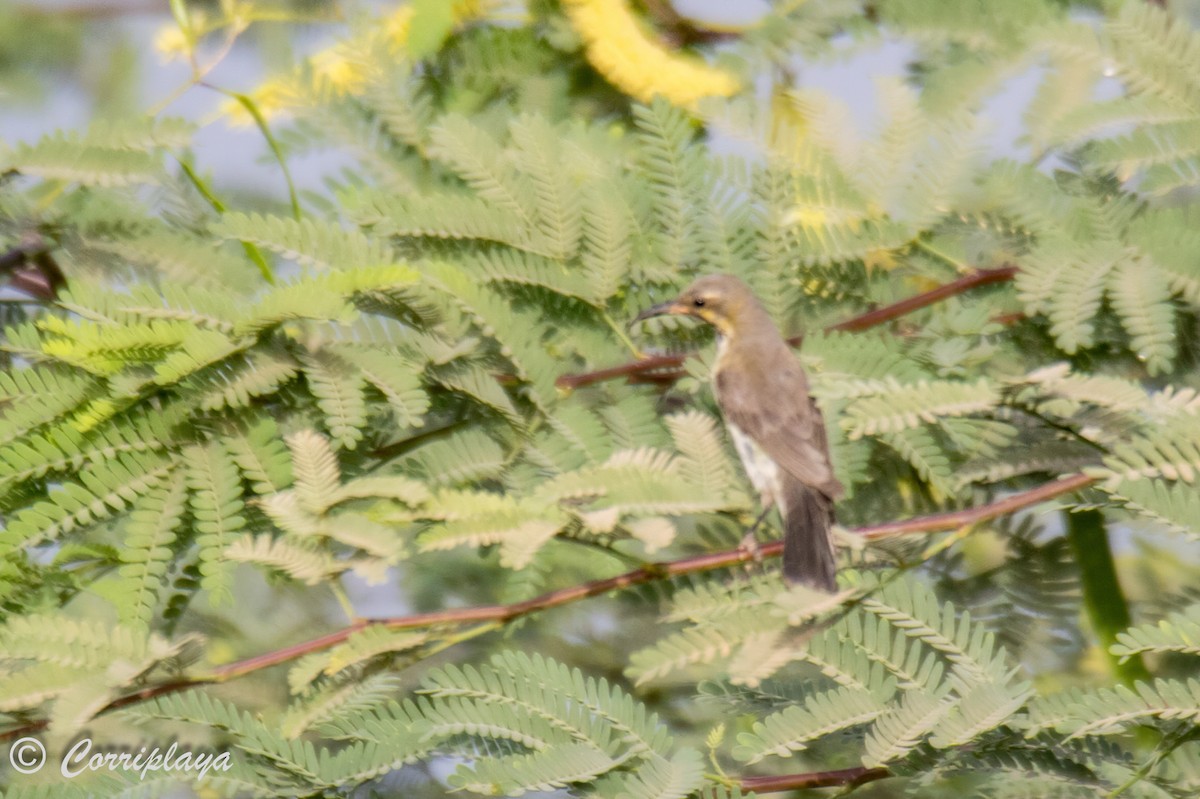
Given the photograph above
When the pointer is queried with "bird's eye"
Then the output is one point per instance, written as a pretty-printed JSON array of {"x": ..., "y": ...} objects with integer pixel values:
[{"x": 698, "y": 302}]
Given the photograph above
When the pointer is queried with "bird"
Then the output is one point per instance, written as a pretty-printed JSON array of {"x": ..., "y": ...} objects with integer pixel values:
[{"x": 773, "y": 422}]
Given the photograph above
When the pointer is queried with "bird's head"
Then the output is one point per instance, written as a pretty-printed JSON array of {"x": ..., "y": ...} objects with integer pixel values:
[{"x": 724, "y": 301}]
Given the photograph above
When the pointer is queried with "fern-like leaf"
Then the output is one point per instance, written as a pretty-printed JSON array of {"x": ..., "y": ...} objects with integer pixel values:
[
  {"x": 216, "y": 504},
  {"x": 794, "y": 728},
  {"x": 1179, "y": 632}
]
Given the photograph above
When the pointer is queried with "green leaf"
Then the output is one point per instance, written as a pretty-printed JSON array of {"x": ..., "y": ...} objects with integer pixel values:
[
  {"x": 432, "y": 22},
  {"x": 1179, "y": 632},
  {"x": 794, "y": 728},
  {"x": 216, "y": 503},
  {"x": 147, "y": 551}
]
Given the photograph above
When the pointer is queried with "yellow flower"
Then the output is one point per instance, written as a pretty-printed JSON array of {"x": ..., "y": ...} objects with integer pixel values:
[
  {"x": 807, "y": 216},
  {"x": 638, "y": 65},
  {"x": 333, "y": 69},
  {"x": 396, "y": 25},
  {"x": 171, "y": 43},
  {"x": 271, "y": 99}
]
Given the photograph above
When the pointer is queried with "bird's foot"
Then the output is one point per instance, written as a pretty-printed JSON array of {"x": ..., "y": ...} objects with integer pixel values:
[
  {"x": 749, "y": 542},
  {"x": 750, "y": 546}
]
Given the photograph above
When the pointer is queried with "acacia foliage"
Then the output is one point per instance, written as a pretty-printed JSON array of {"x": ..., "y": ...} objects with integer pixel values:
[{"x": 365, "y": 386}]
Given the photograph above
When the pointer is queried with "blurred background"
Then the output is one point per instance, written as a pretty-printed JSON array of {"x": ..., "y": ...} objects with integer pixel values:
[{"x": 64, "y": 63}]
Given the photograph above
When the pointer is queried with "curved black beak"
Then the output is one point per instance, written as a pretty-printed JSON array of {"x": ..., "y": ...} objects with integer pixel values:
[{"x": 654, "y": 310}]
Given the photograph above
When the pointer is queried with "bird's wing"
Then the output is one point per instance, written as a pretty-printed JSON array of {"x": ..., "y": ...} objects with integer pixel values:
[{"x": 777, "y": 413}]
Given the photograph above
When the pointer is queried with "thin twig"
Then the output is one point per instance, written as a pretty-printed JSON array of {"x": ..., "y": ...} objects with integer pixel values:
[
  {"x": 952, "y": 520},
  {"x": 677, "y": 31},
  {"x": 979, "y": 277},
  {"x": 938, "y": 522},
  {"x": 814, "y": 779},
  {"x": 33, "y": 269},
  {"x": 665, "y": 368}
]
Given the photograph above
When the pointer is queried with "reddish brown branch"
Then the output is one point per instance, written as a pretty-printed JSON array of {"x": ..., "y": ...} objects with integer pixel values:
[
  {"x": 814, "y": 779},
  {"x": 678, "y": 31},
  {"x": 32, "y": 269},
  {"x": 979, "y": 277},
  {"x": 951, "y": 520},
  {"x": 938, "y": 522},
  {"x": 665, "y": 368}
]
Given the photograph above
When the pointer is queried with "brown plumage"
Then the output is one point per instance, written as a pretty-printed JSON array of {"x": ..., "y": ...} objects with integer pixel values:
[{"x": 774, "y": 423}]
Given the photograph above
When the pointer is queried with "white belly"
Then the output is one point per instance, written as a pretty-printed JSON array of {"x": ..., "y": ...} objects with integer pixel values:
[{"x": 762, "y": 471}]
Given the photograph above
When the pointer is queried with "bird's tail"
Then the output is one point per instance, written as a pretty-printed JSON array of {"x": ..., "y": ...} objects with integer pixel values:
[{"x": 808, "y": 555}]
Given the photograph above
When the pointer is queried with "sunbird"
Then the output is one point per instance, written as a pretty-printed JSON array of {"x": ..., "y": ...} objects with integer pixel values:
[{"x": 776, "y": 427}]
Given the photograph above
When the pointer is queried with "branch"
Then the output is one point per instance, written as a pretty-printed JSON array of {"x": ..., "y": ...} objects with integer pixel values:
[
  {"x": 938, "y": 522},
  {"x": 32, "y": 269},
  {"x": 665, "y": 368},
  {"x": 678, "y": 31},
  {"x": 498, "y": 614},
  {"x": 979, "y": 277},
  {"x": 850, "y": 777},
  {"x": 952, "y": 520}
]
